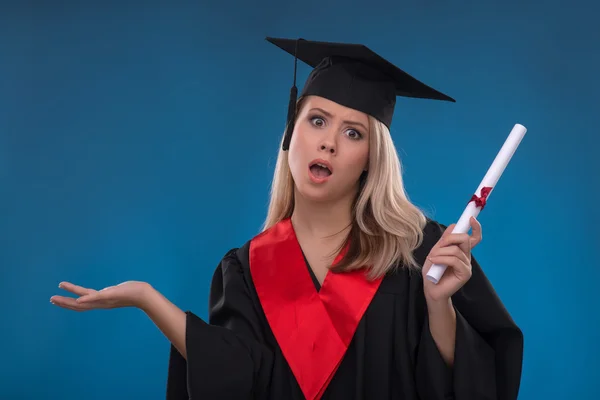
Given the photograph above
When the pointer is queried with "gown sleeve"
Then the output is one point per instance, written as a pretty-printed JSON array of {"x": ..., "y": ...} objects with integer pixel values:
[
  {"x": 225, "y": 359},
  {"x": 488, "y": 349}
]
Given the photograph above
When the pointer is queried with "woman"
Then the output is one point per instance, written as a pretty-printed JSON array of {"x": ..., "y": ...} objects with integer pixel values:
[{"x": 329, "y": 301}]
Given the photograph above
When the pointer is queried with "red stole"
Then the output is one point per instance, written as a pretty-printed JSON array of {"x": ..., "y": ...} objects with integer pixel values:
[{"x": 313, "y": 328}]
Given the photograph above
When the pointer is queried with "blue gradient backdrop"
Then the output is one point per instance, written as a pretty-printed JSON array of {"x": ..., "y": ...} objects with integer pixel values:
[{"x": 138, "y": 142}]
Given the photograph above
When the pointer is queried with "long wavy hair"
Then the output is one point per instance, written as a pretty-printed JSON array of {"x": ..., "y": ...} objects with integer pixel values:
[{"x": 386, "y": 226}]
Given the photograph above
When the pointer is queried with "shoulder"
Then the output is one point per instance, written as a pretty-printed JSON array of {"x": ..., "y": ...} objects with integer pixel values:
[
  {"x": 232, "y": 273},
  {"x": 234, "y": 260},
  {"x": 237, "y": 259}
]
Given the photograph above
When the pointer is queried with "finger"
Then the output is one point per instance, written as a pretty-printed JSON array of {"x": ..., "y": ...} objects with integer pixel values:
[
  {"x": 462, "y": 240},
  {"x": 458, "y": 266},
  {"x": 448, "y": 230},
  {"x": 73, "y": 308},
  {"x": 454, "y": 251},
  {"x": 476, "y": 236},
  {"x": 78, "y": 290},
  {"x": 69, "y": 303}
]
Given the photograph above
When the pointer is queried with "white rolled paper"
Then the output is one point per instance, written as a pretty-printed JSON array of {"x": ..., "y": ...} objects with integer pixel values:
[{"x": 489, "y": 182}]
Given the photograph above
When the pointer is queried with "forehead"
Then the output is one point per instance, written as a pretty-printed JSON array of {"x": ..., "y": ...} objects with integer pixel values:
[{"x": 337, "y": 110}]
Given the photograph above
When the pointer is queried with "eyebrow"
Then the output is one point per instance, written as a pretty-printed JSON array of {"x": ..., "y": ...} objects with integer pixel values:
[{"x": 328, "y": 114}]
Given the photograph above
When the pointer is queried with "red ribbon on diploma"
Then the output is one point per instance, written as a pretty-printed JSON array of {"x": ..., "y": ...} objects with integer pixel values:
[{"x": 481, "y": 201}]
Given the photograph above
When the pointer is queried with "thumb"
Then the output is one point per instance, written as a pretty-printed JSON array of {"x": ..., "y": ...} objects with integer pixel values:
[{"x": 95, "y": 296}]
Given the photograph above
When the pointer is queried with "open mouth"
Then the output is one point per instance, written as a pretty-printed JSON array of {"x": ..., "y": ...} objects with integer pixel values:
[{"x": 320, "y": 170}]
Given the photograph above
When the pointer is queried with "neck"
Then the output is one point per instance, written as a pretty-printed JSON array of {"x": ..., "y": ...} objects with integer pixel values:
[{"x": 327, "y": 220}]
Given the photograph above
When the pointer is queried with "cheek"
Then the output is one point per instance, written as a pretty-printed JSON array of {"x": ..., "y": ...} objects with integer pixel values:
[
  {"x": 354, "y": 165},
  {"x": 293, "y": 161},
  {"x": 360, "y": 159},
  {"x": 296, "y": 153}
]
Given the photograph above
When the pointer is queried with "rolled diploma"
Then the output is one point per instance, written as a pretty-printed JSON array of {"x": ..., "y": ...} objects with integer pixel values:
[{"x": 489, "y": 180}]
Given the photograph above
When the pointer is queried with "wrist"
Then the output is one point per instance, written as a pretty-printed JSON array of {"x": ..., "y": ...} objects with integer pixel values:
[
  {"x": 441, "y": 305},
  {"x": 146, "y": 297}
]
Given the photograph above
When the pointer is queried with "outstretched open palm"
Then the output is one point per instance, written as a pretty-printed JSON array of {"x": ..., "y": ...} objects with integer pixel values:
[{"x": 126, "y": 294}]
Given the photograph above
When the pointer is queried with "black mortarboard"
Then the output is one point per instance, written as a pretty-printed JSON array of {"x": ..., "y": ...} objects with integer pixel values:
[{"x": 351, "y": 75}]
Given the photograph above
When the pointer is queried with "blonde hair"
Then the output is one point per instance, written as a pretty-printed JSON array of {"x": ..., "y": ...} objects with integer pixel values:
[{"x": 386, "y": 226}]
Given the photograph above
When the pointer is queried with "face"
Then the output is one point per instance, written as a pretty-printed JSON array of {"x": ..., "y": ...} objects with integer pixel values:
[{"x": 329, "y": 150}]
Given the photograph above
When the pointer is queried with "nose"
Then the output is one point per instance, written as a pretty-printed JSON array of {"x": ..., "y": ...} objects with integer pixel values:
[
  {"x": 328, "y": 141},
  {"x": 328, "y": 147}
]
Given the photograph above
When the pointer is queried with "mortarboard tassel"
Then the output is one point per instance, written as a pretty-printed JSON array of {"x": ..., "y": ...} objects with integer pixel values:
[{"x": 291, "y": 117}]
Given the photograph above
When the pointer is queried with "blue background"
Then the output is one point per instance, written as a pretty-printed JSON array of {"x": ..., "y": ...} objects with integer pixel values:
[{"x": 138, "y": 143}]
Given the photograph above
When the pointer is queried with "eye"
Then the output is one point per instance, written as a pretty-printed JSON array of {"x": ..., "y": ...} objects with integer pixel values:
[
  {"x": 354, "y": 134},
  {"x": 317, "y": 121}
]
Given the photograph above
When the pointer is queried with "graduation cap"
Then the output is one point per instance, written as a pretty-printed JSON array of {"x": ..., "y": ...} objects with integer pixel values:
[{"x": 351, "y": 75}]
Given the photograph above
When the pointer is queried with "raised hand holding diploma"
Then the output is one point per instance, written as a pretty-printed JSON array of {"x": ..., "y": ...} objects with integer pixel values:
[
  {"x": 453, "y": 250},
  {"x": 478, "y": 201}
]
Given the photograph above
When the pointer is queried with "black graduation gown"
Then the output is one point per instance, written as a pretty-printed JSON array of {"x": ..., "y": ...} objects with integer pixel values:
[{"x": 392, "y": 354}]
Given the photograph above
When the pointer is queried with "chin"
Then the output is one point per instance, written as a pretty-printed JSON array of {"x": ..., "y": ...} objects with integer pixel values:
[
  {"x": 322, "y": 193},
  {"x": 319, "y": 194}
]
